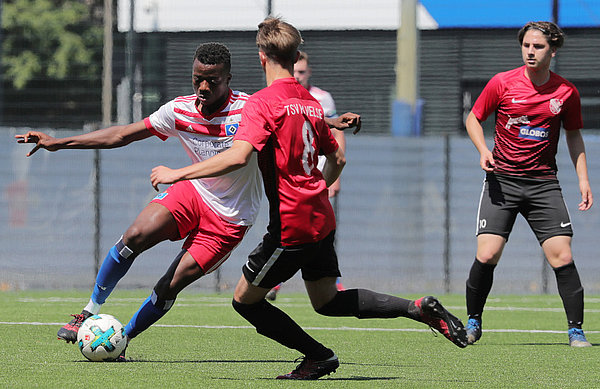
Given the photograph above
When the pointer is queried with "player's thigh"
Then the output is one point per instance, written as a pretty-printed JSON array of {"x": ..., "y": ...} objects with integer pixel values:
[
  {"x": 557, "y": 250},
  {"x": 270, "y": 264},
  {"x": 154, "y": 224},
  {"x": 212, "y": 242},
  {"x": 498, "y": 207},
  {"x": 321, "y": 271},
  {"x": 489, "y": 248},
  {"x": 546, "y": 211},
  {"x": 185, "y": 206}
]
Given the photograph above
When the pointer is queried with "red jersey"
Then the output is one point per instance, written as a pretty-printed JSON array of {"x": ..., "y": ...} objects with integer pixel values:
[
  {"x": 287, "y": 127},
  {"x": 528, "y": 121}
]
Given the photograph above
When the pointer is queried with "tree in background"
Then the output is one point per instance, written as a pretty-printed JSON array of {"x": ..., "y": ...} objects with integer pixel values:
[{"x": 50, "y": 39}]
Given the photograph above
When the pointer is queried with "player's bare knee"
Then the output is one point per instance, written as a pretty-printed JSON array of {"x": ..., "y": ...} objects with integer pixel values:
[
  {"x": 561, "y": 260},
  {"x": 488, "y": 257},
  {"x": 134, "y": 238}
]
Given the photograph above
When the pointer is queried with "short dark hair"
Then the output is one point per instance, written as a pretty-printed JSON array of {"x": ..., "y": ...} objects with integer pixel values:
[
  {"x": 214, "y": 53},
  {"x": 551, "y": 31}
]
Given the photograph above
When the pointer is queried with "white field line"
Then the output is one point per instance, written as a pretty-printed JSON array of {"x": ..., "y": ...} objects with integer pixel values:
[
  {"x": 226, "y": 301},
  {"x": 367, "y": 329}
]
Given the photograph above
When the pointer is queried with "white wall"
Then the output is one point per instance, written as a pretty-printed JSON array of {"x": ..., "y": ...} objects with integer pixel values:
[{"x": 203, "y": 15}]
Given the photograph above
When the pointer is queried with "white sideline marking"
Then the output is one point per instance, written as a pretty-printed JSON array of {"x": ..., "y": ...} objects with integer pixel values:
[
  {"x": 284, "y": 301},
  {"x": 309, "y": 328},
  {"x": 226, "y": 301}
]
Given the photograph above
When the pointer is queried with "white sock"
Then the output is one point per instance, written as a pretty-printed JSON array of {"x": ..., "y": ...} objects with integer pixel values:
[{"x": 93, "y": 308}]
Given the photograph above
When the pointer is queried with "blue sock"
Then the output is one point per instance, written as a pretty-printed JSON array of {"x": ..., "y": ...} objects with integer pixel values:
[
  {"x": 148, "y": 314},
  {"x": 115, "y": 265}
]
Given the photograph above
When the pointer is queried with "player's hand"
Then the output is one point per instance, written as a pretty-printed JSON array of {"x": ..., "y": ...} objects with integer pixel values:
[
  {"x": 334, "y": 188},
  {"x": 162, "y": 175},
  {"x": 347, "y": 120},
  {"x": 41, "y": 140},
  {"x": 587, "y": 200},
  {"x": 487, "y": 161}
]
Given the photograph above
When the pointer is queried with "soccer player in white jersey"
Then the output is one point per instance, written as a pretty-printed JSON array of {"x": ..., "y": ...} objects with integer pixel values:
[{"x": 213, "y": 214}]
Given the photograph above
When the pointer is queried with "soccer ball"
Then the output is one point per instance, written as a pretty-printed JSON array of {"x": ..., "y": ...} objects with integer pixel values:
[{"x": 101, "y": 338}]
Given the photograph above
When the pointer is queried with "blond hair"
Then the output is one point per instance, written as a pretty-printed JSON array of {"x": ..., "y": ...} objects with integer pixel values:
[{"x": 278, "y": 40}]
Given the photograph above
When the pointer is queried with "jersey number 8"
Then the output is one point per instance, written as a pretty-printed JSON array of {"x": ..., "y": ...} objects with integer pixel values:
[{"x": 309, "y": 155}]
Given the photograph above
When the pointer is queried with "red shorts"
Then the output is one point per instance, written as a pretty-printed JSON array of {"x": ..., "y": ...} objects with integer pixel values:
[{"x": 210, "y": 239}]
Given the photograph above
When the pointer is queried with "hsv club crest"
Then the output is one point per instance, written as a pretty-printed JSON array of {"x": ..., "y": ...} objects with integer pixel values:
[{"x": 556, "y": 106}]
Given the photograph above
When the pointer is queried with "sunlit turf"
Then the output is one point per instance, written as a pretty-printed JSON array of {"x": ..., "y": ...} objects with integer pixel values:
[{"x": 202, "y": 342}]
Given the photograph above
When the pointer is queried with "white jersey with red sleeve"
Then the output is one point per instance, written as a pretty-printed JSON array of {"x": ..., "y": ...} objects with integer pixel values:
[{"x": 234, "y": 196}]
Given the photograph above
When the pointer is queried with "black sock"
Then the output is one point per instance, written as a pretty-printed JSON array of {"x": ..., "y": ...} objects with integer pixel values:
[
  {"x": 365, "y": 304},
  {"x": 479, "y": 284},
  {"x": 273, "y": 323},
  {"x": 571, "y": 293}
]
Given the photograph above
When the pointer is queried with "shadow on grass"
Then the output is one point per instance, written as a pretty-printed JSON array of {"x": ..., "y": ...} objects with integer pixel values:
[
  {"x": 192, "y": 361},
  {"x": 529, "y": 344},
  {"x": 354, "y": 378},
  {"x": 242, "y": 361},
  {"x": 261, "y": 361}
]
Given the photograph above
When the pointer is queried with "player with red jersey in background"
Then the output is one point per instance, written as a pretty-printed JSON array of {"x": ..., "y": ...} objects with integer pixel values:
[
  {"x": 285, "y": 126},
  {"x": 531, "y": 103}
]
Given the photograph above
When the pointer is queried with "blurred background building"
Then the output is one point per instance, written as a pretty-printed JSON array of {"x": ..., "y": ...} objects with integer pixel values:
[
  {"x": 353, "y": 46},
  {"x": 407, "y": 208}
]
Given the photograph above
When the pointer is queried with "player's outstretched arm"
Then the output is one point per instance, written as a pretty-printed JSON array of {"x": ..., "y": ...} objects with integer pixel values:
[
  {"x": 344, "y": 121},
  {"x": 107, "y": 138},
  {"x": 226, "y": 161}
]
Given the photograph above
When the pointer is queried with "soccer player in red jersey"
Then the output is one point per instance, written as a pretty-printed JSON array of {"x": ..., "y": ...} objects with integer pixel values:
[
  {"x": 285, "y": 125},
  {"x": 213, "y": 214},
  {"x": 303, "y": 73},
  {"x": 531, "y": 103}
]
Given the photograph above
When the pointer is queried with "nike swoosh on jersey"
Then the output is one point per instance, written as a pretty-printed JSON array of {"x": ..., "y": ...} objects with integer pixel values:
[
  {"x": 565, "y": 224},
  {"x": 515, "y": 101}
]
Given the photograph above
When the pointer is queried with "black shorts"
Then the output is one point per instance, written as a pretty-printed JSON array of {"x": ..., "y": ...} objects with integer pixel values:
[
  {"x": 270, "y": 263},
  {"x": 540, "y": 201}
]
